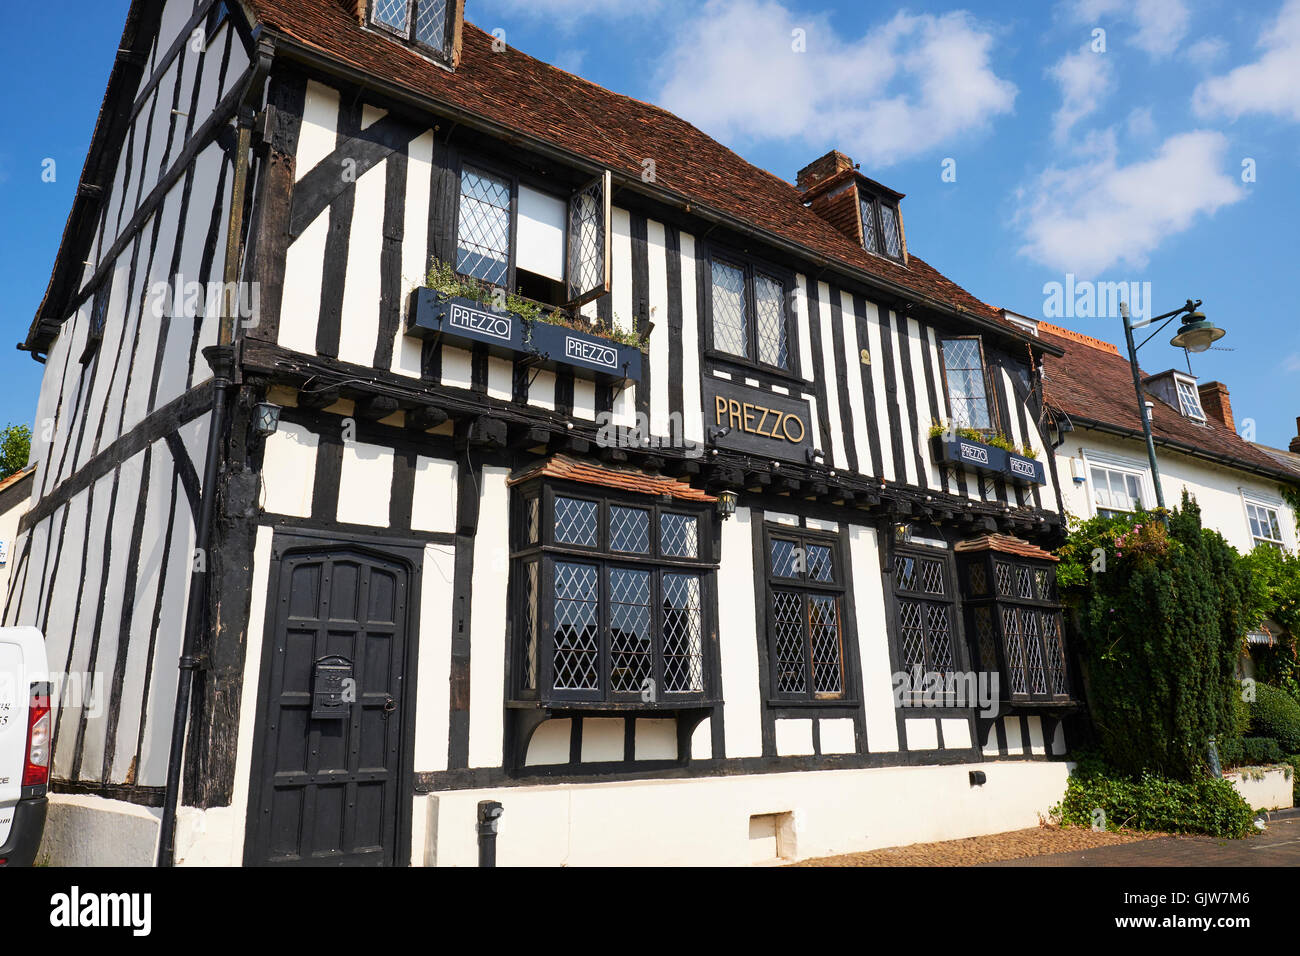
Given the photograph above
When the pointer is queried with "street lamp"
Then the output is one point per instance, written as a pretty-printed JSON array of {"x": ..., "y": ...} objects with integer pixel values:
[{"x": 1195, "y": 335}]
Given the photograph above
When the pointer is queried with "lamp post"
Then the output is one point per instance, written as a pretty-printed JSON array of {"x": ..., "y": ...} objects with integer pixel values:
[{"x": 1196, "y": 334}]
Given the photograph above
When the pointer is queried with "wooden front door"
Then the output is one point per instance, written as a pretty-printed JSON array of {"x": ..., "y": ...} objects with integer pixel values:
[{"x": 328, "y": 787}]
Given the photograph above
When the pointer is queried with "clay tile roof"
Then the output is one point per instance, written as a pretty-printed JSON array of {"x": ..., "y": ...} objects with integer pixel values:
[
  {"x": 1006, "y": 544},
  {"x": 626, "y": 479},
  {"x": 524, "y": 95},
  {"x": 16, "y": 477},
  {"x": 1093, "y": 382}
]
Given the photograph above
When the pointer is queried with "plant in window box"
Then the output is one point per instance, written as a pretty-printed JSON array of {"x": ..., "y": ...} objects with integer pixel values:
[
  {"x": 1024, "y": 468},
  {"x": 968, "y": 447}
]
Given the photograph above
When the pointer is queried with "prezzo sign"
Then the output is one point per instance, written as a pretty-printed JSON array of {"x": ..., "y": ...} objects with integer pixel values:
[
  {"x": 484, "y": 323},
  {"x": 761, "y": 423},
  {"x": 584, "y": 350},
  {"x": 1021, "y": 467},
  {"x": 977, "y": 454}
]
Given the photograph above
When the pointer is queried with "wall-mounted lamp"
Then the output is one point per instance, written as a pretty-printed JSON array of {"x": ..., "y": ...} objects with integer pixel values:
[
  {"x": 266, "y": 418},
  {"x": 902, "y": 533},
  {"x": 726, "y": 503},
  {"x": 812, "y": 454},
  {"x": 719, "y": 431}
]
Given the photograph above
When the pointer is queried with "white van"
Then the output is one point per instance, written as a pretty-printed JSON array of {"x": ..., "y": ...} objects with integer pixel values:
[{"x": 26, "y": 738}]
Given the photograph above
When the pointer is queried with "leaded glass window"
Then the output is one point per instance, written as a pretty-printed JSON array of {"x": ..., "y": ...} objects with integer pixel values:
[
  {"x": 881, "y": 229},
  {"x": 805, "y": 629},
  {"x": 423, "y": 22},
  {"x": 969, "y": 404},
  {"x": 750, "y": 314},
  {"x": 483, "y": 226},
  {"x": 611, "y": 597},
  {"x": 925, "y": 608}
]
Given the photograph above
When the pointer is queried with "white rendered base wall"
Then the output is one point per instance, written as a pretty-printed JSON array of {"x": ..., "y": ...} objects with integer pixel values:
[
  {"x": 737, "y": 820},
  {"x": 1264, "y": 788},
  {"x": 91, "y": 831}
]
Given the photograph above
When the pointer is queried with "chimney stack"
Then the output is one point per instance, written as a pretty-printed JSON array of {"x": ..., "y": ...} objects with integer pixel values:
[
  {"x": 822, "y": 169},
  {"x": 832, "y": 193},
  {"x": 1214, "y": 400},
  {"x": 1295, "y": 442}
]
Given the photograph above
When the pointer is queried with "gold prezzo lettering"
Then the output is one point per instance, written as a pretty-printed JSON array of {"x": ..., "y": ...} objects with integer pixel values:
[{"x": 744, "y": 416}]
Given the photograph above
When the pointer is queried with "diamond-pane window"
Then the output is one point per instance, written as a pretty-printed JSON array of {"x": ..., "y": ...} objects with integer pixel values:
[
  {"x": 576, "y": 521},
  {"x": 631, "y": 647},
  {"x": 683, "y": 650},
  {"x": 790, "y": 642},
  {"x": 819, "y": 564},
  {"x": 577, "y": 630},
  {"x": 588, "y": 241},
  {"x": 769, "y": 308},
  {"x": 932, "y": 577},
  {"x": 870, "y": 235},
  {"x": 1015, "y": 648},
  {"x": 824, "y": 633},
  {"x": 986, "y": 638},
  {"x": 1024, "y": 583},
  {"x": 890, "y": 233},
  {"x": 1002, "y": 575},
  {"x": 678, "y": 535},
  {"x": 968, "y": 400},
  {"x": 905, "y": 573},
  {"x": 787, "y": 559},
  {"x": 530, "y": 625},
  {"x": 431, "y": 23},
  {"x": 629, "y": 530},
  {"x": 394, "y": 14},
  {"x": 806, "y": 643},
  {"x": 979, "y": 584},
  {"x": 483, "y": 227},
  {"x": 925, "y": 615},
  {"x": 730, "y": 322}
]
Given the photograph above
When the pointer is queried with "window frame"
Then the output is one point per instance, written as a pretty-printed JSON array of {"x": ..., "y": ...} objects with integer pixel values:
[
  {"x": 1123, "y": 470},
  {"x": 836, "y": 589},
  {"x": 547, "y": 552},
  {"x": 500, "y": 172},
  {"x": 1198, "y": 413},
  {"x": 750, "y": 266},
  {"x": 990, "y": 393},
  {"x": 871, "y": 202},
  {"x": 996, "y": 603},
  {"x": 951, "y": 598},
  {"x": 408, "y": 35},
  {"x": 1269, "y": 509}
]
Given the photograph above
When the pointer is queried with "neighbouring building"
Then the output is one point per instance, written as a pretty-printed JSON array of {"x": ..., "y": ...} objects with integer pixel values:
[
  {"x": 1102, "y": 456},
  {"x": 15, "y": 497},
  {"x": 665, "y": 580}
]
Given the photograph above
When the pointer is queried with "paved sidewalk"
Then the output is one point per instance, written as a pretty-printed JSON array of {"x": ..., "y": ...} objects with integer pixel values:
[{"x": 1279, "y": 845}]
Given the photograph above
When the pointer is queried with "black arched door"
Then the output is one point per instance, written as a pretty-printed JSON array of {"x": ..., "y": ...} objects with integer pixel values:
[{"x": 328, "y": 781}]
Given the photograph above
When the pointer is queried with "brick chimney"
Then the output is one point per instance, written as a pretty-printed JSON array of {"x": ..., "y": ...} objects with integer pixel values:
[
  {"x": 822, "y": 169},
  {"x": 1214, "y": 401},
  {"x": 1295, "y": 442},
  {"x": 831, "y": 191}
]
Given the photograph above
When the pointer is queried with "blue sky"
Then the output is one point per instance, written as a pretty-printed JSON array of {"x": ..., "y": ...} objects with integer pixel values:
[{"x": 1163, "y": 150}]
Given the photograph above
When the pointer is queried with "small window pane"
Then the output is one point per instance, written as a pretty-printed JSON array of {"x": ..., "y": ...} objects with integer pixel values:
[
  {"x": 631, "y": 648},
  {"x": 1189, "y": 401},
  {"x": 787, "y": 560},
  {"x": 819, "y": 564},
  {"x": 870, "y": 238},
  {"x": 769, "y": 302},
  {"x": 905, "y": 573},
  {"x": 683, "y": 650},
  {"x": 824, "y": 627},
  {"x": 577, "y": 637},
  {"x": 789, "y": 640},
  {"x": 431, "y": 23},
  {"x": 967, "y": 388},
  {"x": 911, "y": 636},
  {"x": 575, "y": 522},
  {"x": 932, "y": 577},
  {"x": 533, "y": 519},
  {"x": 889, "y": 224},
  {"x": 629, "y": 530},
  {"x": 393, "y": 13},
  {"x": 730, "y": 323},
  {"x": 530, "y": 625},
  {"x": 678, "y": 535},
  {"x": 483, "y": 230}
]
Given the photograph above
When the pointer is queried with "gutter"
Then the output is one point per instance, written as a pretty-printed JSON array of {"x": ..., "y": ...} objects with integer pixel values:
[
  {"x": 1189, "y": 450},
  {"x": 221, "y": 357},
  {"x": 295, "y": 50}
]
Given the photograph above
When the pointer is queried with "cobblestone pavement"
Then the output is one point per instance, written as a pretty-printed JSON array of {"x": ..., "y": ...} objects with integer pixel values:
[{"x": 1279, "y": 845}]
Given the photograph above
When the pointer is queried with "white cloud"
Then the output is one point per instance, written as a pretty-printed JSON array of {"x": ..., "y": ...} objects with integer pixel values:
[
  {"x": 1269, "y": 85},
  {"x": 1085, "y": 78},
  {"x": 1140, "y": 123},
  {"x": 1292, "y": 362},
  {"x": 1160, "y": 25},
  {"x": 1205, "y": 51},
  {"x": 904, "y": 88},
  {"x": 1099, "y": 214}
]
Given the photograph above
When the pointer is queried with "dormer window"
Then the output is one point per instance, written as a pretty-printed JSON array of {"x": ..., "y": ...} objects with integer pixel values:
[
  {"x": 425, "y": 23},
  {"x": 1189, "y": 401},
  {"x": 881, "y": 232}
]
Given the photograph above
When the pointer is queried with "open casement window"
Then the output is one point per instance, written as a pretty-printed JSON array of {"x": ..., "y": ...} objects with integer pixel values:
[
  {"x": 805, "y": 600},
  {"x": 925, "y": 608},
  {"x": 614, "y": 598},
  {"x": 1264, "y": 526},
  {"x": 1189, "y": 401},
  {"x": 966, "y": 385},
  {"x": 750, "y": 313},
  {"x": 589, "y": 242},
  {"x": 1013, "y": 618},
  {"x": 425, "y": 23}
]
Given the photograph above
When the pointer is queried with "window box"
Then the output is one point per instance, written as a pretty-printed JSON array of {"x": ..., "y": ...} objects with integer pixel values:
[
  {"x": 464, "y": 322},
  {"x": 1025, "y": 471},
  {"x": 560, "y": 345},
  {"x": 971, "y": 454}
]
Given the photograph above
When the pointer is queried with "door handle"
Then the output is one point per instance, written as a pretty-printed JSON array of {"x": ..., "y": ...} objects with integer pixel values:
[{"x": 390, "y": 705}]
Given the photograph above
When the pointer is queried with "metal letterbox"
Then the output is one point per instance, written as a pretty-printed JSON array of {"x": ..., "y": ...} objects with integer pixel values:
[{"x": 333, "y": 689}]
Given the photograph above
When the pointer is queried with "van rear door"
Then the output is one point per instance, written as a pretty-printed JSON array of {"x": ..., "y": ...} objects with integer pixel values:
[{"x": 22, "y": 664}]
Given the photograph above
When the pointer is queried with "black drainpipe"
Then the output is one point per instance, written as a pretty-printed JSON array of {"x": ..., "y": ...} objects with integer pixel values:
[{"x": 221, "y": 357}]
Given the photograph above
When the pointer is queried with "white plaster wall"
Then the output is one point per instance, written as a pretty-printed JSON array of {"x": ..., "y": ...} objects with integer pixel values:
[
  {"x": 1264, "y": 788},
  {"x": 1218, "y": 490},
  {"x": 705, "y": 821},
  {"x": 737, "y": 624},
  {"x": 91, "y": 831}
]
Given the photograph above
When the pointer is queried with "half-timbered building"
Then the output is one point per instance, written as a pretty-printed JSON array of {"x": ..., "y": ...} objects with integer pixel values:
[{"x": 466, "y": 431}]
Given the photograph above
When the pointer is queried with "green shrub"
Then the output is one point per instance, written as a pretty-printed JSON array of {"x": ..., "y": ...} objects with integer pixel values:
[
  {"x": 1249, "y": 751},
  {"x": 1275, "y": 714},
  {"x": 1148, "y": 802},
  {"x": 1295, "y": 779}
]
